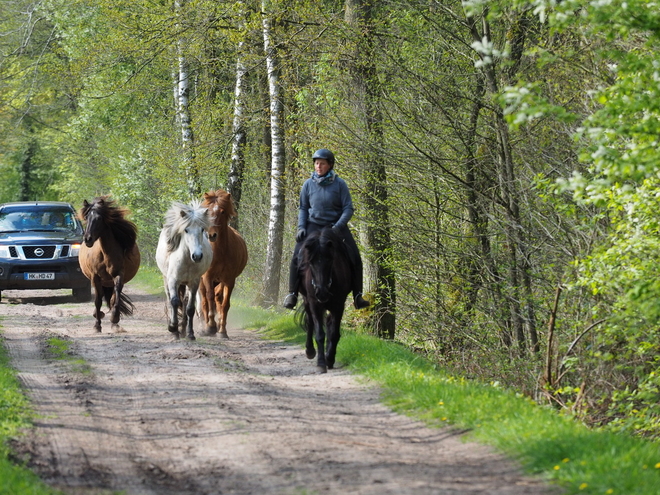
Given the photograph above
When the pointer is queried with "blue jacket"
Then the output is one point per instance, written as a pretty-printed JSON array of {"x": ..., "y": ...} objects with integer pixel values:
[{"x": 327, "y": 204}]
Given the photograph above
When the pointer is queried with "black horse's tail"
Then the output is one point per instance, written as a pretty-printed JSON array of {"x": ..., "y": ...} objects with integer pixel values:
[
  {"x": 125, "y": 305},
  {"x": 300, "y": 317}
]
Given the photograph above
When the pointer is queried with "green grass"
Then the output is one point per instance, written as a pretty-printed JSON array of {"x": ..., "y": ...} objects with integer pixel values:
[
  {"x": 547, "y": 444},
  {"x": 60, "y": 350},
  {"x": 148, "y": 279},
  {"x": 15, "y": 415}
]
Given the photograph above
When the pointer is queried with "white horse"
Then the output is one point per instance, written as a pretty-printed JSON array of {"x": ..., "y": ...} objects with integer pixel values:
[{"x": 183, "y": 254}]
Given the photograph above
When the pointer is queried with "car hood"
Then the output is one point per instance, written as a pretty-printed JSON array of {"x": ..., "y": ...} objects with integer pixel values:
[{"x": 43, "y": 237}]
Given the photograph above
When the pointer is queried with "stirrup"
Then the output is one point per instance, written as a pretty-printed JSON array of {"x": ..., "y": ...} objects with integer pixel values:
[
  {"x": 359, "y": 302},
  {"x": 290, "y": 300}
]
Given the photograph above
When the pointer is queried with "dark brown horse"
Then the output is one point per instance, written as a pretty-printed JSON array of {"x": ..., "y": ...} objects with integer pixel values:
[
  {"x": 325, "y": 281},
  {"x": 109, "y": 256},
  {"x": 229, "y": 259}
]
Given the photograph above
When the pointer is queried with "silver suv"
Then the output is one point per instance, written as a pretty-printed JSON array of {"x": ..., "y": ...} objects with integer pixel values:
[{"x": 39, "y": 246}]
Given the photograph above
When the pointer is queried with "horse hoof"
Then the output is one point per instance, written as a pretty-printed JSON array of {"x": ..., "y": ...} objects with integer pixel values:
[
  {"x": 311, "y": 354},
  {"x": 191, "y": 337},
  {"x": 321, "y": 369},
  {"x": 118, "y": 329},
  {"x": 209, "y": 333},
  {"x": 223, "y": 335}
]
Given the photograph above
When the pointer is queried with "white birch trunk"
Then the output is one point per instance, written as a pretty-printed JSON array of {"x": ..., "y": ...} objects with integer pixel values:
[
  {"x": 235, "y": 179},
  {"x": 187, "y": 136},
  {"x": 277, "y": 192}
]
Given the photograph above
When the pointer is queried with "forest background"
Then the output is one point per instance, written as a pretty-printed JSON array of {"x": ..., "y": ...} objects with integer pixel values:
[{"x": 503, "y": 158}]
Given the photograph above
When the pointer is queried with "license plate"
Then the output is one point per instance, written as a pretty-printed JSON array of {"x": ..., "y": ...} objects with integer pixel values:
[{"x": 39, "y": 276}]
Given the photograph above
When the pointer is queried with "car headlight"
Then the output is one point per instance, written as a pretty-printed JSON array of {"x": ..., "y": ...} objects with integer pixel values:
[
  {"x": 4, "y": 252},
  {"x": 75, "y": 250}
]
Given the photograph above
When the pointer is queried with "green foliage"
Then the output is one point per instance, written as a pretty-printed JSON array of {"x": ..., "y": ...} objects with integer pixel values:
[{"x": 618, "y": 141}]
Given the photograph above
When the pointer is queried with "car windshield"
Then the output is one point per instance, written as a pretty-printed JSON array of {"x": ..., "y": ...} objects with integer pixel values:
[{"x": 38, "y": 220}]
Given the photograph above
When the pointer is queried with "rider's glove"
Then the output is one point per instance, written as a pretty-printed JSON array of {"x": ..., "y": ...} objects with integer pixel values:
[{"x": 300, "y": 235}]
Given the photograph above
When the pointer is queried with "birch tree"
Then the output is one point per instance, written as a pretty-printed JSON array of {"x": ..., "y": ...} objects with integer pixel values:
[
  {"x": 271, "y": 280},
  {"x": 183, "y": 84},
  {"x": 235, "y": 179}
]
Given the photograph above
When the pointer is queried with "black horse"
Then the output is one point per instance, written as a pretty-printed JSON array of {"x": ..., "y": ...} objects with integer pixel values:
[{"x": 325, "y": 281}]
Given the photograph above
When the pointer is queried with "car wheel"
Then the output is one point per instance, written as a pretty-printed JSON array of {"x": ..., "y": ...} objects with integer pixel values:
[{"x": 83, "y": 294}]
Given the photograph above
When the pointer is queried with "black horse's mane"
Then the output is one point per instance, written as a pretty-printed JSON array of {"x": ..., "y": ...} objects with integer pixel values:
[
  {"x": 312, "y": 246},
  {"x": 124, "y": 230}
]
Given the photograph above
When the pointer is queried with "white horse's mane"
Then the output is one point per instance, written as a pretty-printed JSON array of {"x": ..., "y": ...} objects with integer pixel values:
[{"x": 181, "y": 216}]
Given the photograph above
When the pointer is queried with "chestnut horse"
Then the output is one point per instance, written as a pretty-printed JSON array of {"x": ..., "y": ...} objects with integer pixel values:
[
  {"x": 109, "y": 256},
  {"x": 229, "y": 259},
  {"x": 325, "y": 276}
]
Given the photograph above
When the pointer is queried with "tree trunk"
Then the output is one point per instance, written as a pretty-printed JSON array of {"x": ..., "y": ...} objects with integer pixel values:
[
  {"x": 380, "y": 275},
  {"x": 479, "y": 222},
  {"x": 235, "y": 179},
  {"x": 187, "y": 136},
  {"x": 519, "y": 266},
  {"x": 271, "y": 282},
  {"x": 27, "y": 165}
]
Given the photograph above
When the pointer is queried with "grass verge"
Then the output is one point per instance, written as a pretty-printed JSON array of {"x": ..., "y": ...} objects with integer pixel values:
[
  {"x": 15, "y": 415},
  {"x": 547, "y": 444},
  {"x": 60, "y": 349},
  {"x": 149, "y": 279}
]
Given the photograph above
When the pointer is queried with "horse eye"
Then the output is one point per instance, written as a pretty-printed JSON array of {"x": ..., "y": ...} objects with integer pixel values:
[{"x": 185, "y": 230}]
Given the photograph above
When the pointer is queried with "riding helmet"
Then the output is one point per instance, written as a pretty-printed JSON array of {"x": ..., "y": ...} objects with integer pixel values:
[{"x": 324, "y": 155}]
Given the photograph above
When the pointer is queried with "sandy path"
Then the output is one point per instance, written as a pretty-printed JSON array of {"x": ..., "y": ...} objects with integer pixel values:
[{"x": 237, "y": 416}]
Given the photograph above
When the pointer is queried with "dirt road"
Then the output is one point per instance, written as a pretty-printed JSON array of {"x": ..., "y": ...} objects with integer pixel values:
[{"x": 238, "y": 416}]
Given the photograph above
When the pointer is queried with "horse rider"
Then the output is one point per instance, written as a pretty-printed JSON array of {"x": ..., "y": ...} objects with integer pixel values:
[{"x": 325, "y": 202}]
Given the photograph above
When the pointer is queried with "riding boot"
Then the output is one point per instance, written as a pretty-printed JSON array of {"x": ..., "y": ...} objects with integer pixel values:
[
  {"x": 359, "y": 302},
  {"x": 291, "y": 298}
]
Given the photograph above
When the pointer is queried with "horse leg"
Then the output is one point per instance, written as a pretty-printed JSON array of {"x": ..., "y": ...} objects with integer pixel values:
[
  {"x": 310, "y": 351},
  {"x": 204, "y": 305},
  {"x": 190, "y": 311},
  {"x": 98, "y": 302},
  {"x": 173, "y": 308},
  {"x": 208, "y": 302},
  {"x": 333, "y": 323},
  {"x": 223, "y": 303},
  {"x": 183, "y": 297},
  {"x": 319, "y": 334},
  {"x": 119, "y": 286}
]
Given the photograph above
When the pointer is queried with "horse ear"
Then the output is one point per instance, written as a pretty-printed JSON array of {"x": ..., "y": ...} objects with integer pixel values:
[
  {"x": 85, "y": 203},
  {"x": 183, "y": 214}
]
